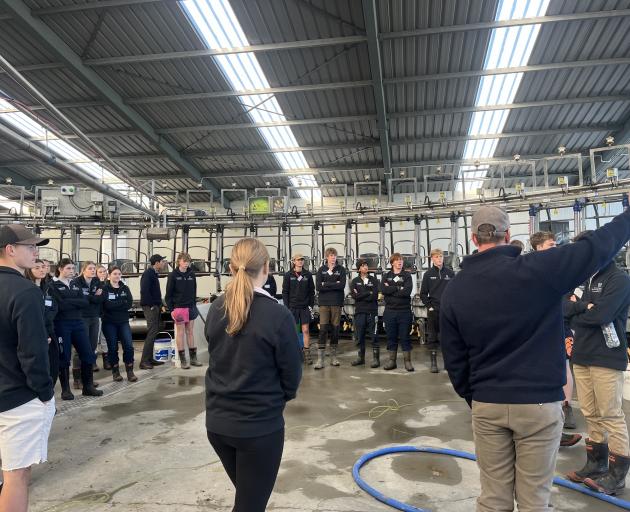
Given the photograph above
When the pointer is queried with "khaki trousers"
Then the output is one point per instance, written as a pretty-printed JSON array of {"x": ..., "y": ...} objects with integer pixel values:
[
  {"x": 516, "y": 447},
  {"x": 600, "y": 393}
]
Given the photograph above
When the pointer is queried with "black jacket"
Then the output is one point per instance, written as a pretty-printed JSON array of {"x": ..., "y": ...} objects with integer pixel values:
[
  {"x": 501, "y": 317},
  {"x": 24, "y": 366},
  {"x": 434, "y": 282},
  {"x": 270, "y": 286},
  {"x": 331, "y": 287},
  {"x": 609, "y": 291},
  {"x": 252, "y": 375},
  {"x": 150, "y": 293},
  {"x": 397, "y": 290},
  {"x": 95, "y": 302},
  {"x": 181, "y": 289},
  {"x": 298, "y": 293},
  {"x": 365, "y": 294},
  {"x": 70, "y": 299},
  {"x": 50, "y": 309},
  {"x": 117, "y": 303}
]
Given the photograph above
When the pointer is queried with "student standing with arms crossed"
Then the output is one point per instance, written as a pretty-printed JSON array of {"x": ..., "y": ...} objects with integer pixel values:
[{"x": 255, "y": 369}]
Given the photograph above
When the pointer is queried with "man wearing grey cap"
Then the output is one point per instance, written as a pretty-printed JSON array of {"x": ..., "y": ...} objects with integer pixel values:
[
  {"x": 502, "y": 340},
  {"x": 27, "y": 404}
]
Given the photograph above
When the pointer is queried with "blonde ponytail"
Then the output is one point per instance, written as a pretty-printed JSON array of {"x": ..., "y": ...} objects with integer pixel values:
[{"x": 248, "y": 258}]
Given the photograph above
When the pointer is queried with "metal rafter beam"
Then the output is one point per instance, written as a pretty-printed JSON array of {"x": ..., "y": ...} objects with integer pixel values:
[
  {"x": 16, "y": 179},
  {"x": 376, "y": 69},
  {"x": 489, "y": 25},
  {"x": 103, "y": 4},
  {"x": 189, "y": 54},
  {"x": 58, "y": 47}
]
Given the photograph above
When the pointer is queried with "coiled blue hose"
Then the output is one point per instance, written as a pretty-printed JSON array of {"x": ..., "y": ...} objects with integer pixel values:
[{"x": 356, "y": 469}]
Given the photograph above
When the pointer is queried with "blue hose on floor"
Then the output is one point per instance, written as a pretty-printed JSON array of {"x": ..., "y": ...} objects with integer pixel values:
[{"x": 462, "y": 455}]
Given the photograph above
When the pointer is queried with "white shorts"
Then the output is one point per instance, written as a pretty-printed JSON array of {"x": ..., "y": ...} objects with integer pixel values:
[{"x": 24, "y": 434}]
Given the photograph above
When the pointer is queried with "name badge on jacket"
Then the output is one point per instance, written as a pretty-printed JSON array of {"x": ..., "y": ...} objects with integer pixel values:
[{"x": 111, "y": 296}]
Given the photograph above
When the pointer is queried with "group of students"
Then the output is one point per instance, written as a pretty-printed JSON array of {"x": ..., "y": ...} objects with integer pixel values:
[{"x": 298, "y": 294}]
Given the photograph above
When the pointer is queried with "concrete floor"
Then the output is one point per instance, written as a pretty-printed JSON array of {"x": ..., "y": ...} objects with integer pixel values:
[{"x": 142, "y": 447}]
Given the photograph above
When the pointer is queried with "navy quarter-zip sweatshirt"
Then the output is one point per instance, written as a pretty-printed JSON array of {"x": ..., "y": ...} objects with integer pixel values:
[
  {"x": 70, "y": 299},
  {"x": 434, "y": 283},
  {"x": 150, "y": 293},
  {"x": 397, "y": 290},
  {"x": 331, "y": 286},
  {"x": 181, "y": 289},
  {"x": 95, "y": 302},
  {"x": 365, "y": 294},
  {"x": 252, "y": 375},
  {"x": 501, "y": 317},
  {"x": 609, "y": 291},
  {"x": 117, "y": 303},
  {"x": 298, "y": 290}
]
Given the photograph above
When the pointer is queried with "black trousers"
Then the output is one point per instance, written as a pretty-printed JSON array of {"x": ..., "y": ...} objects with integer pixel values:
[
  {"x": 365, "y": 324},
  {"x": 152, "y": 314},
  {"x": 252, "y": 464},
  {"x": 433, "y": 329},
  {"x": 53, "y": 358}
]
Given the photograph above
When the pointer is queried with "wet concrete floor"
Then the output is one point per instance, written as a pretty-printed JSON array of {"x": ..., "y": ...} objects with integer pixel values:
[{"x": 143, "y": 448}]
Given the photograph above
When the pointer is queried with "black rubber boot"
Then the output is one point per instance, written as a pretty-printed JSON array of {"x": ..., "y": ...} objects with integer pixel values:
[
  {"x": 569, "y": 420},
  {"x": 64, "y": 379},
  {"x": 376, "y": 357},
  {"x": 193, "y": 357},
  {"x": 360, "y": 360},
  {"x": 596, "y": 462},
  {"x": 320, "y": 359},
  {"x": 106, "y": 365},
  {"x": 87, "y": 377},
  {"x": 434, "y": 366},
  {"x": 407, "y": 358},
  {"x": 131, "y": 377},
  {"x": 76, "y": 378},
  {"x": 182, "y": 359},
  {"x": 614, "y": 479},
  {"x": 391, "y": 363},
  {"x": 116, "y": 373}
]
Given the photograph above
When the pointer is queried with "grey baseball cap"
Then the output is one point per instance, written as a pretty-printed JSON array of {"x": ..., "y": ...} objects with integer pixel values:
[
  {"x": 17, "y": 234},
  {"x": 493, "y": 216}
]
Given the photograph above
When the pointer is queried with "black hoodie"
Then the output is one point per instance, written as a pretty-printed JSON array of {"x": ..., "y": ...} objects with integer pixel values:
[
  {"x": 95, "y": 302},
  {"x": 117, "y": 303},
  {"x": 24, "y": 366},
  {"x": 609, "y": 291},
  {"x": 434, "y": 282},
  {"x": 181, "y": 289},
  {"x": 298, "y": 293}
]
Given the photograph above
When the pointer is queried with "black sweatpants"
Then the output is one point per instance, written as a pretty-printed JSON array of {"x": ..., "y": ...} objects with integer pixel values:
[
  {"x": 252, "y": 464},
  {"x": 152, "y": 314}
]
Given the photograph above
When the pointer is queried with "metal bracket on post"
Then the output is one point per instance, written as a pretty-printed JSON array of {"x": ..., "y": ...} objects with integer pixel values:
[
  {"x": 315, "y": 246},
  {"x": 283, "y": 247},
  {"x": 455, "y": 238},
  {"x": 534, "y": 219},
  {"x": 417, "y": 233},
  {"x": 577, "y": 217},
  {"x": 75, "y": 243},
  {"x": 219, "y": 256},
  {"x": 382, "y": 222},
  {"x": 348, "y": 244},
  {"x": 185, "y": 238}
]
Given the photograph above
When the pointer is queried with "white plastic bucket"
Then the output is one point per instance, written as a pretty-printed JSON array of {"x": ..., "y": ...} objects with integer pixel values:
[
  {"x": 164, "y": 348},
  {"x": 626, "y": 384}
]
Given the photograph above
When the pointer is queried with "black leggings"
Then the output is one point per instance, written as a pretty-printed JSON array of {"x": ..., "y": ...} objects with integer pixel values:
[{"x": 252, "y": 464}]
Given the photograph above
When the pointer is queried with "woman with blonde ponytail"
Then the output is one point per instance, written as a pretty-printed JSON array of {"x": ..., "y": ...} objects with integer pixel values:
[{"x": 254, "y": 370}]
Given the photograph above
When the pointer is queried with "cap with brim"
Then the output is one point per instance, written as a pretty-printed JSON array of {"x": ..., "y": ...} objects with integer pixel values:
[
  {"x": 297, "y": 256},
  {"x": 17, "y": 234},
  {"x": 495, "y": 218}
]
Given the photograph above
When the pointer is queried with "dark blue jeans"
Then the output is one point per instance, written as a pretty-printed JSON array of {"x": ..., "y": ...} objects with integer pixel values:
[
  {"x": 115, "y": 333},
  {"x": 74, "y": 333},
  {"x": 397, "y": 327},
  {"x": 365, "y": 324}
]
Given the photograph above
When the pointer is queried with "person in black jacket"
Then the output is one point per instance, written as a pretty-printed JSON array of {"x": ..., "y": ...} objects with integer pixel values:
[
  {"x": 118, "y": 301},
  {"x": 298, "y": 294},
  {"x": 599, "y": 360},
  {"x": 70, "y": 327},
  {"x": 27, "y": 403},
  {"x": 396, "y": 286},
  {"x": 151, "y": 302},
  {"x": 37, "y": 274},
  {"x": 502, "y": 329},
  {"x": 330, "y": 285},
  {"x": 364, "y": 289},
  {"x": 181, "y": 300},
  {"x": 254, "y": 370},
  {"x": 434, "y": 281},
  {"x": 270, "y": 286},
  {"x": 92, "y": 289}
]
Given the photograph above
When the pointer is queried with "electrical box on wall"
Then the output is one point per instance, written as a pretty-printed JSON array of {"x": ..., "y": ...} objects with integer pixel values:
[{"x": 68, "y": 190}]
